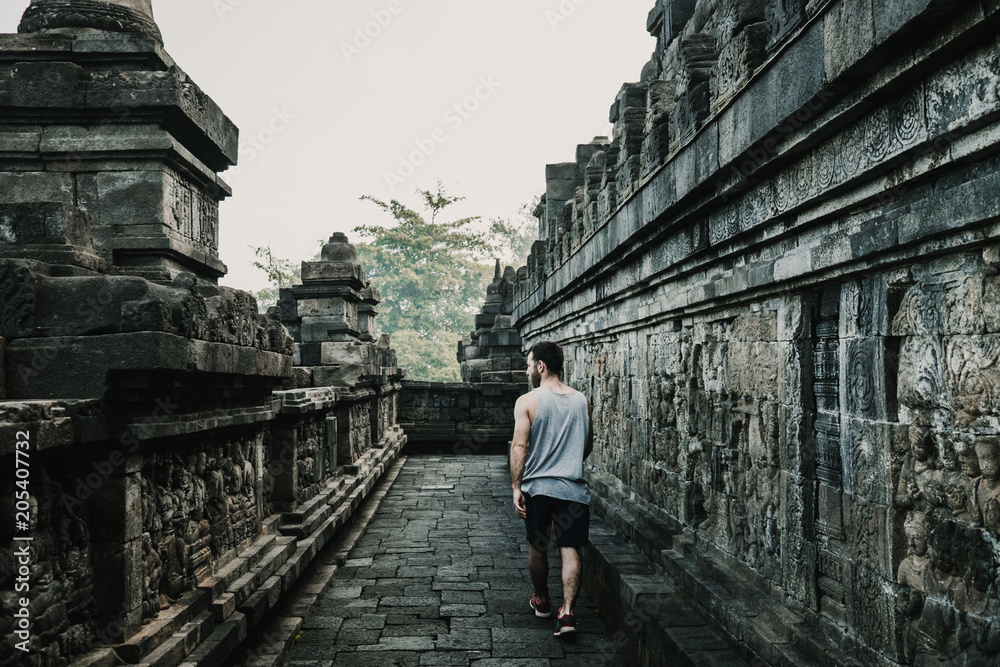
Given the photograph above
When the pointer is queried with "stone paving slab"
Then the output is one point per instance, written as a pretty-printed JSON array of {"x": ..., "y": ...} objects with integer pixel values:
[{"x": 440, "y": 578}]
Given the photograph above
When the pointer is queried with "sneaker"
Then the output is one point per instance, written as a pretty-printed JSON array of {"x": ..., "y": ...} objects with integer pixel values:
[
  {"x": 564, "y": 624},
  {"x": 541, "y": 609}
]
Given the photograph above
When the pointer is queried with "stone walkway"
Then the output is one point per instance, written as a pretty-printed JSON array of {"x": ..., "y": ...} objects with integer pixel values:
[{"x": 440, "y": 578}]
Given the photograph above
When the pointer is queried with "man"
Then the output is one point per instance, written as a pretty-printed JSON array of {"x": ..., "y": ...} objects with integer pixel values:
[{"x": 552, "y": 437}]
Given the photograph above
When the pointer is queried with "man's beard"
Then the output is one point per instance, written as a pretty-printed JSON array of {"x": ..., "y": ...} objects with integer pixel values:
[{"x": 535, "y": 378}]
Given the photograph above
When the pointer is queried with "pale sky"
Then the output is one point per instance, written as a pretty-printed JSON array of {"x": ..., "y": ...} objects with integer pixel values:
[{"x": 545, "y": 72}]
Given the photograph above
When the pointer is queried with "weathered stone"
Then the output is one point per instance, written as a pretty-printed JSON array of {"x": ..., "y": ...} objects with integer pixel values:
[
  {"x": 172, "y": 487},
  {"x": 81, "y": 15},
  {"x": 152, "y": 193},
  {"x": 785, "y": 326}
]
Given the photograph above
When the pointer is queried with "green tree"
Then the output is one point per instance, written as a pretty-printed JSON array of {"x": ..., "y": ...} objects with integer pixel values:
[
  {"x": 280, "y": 273},
  {"x": 513, "y": 238},
  {"x": 432, "y": 276}
]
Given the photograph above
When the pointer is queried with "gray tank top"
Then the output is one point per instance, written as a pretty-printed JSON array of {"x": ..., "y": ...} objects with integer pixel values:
[{"x": 554, "y": 466}]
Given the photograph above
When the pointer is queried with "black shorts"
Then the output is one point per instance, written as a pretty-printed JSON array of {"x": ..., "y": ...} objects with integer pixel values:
[{"x": 569, "y": 520}]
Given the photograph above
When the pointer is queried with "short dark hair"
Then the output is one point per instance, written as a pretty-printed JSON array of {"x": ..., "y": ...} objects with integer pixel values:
[{"x": 550, "y": 354}]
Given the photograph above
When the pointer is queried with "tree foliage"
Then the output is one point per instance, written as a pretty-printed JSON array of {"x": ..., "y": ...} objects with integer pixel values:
[
  {"x": 432, "y": 275},
  {"x": 280, "y": 273},
  {"x": 513, "y": 238}
]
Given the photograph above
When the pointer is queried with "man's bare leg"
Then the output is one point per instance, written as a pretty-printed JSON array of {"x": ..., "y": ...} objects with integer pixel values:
[
  {"x": 538, "y": 566},
  {"x": 572, "y": 572}
]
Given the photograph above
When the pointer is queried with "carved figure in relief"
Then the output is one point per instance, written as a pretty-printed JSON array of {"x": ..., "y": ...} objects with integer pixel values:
[
  {"x": 153, "y": 600},
  {"x": 928, "y": 635},
  {"x": 150, "y": 517},
  {"x": 184, "y": 484},
  {"x": 195, "y": 464},
  {"x": 914, "y": 569},
  {"x": 172, "y": 557},
  {"x": 942, "y": 581},
  {"x": 165, "y": 499},
  {"x": 217, "y": 507},
  {"x": 927, "y": 474},
  {"x": 988, "y": 487},
  {"x": 959, "y": 501}
]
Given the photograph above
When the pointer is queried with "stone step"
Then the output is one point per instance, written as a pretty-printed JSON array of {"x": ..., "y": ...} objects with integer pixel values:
[
  {"x": 672, "y": 631},
  {"x": 169, "y": 622},
  {"x": 302, "y": 525},
  {"x": 175, "y": 649},
  {"x": 686, "y": 573},
  {"x": 219, "y": 645},
  {"x": 246, "y": 585},
  {"x": 102, "y": 657},
  {"x": 222, "y": 580},
  {"x": 315, "y": 503},
  {"x": 242, "y": 607},
  {"x": 261, "y": 601},
  {"x": 223, "y": 607},
  {"x": 274, "y": 636},
  {"x": 771, "y": 630}
]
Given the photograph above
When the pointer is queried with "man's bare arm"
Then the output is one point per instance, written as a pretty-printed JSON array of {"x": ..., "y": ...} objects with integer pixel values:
[
  {"x": 590, "y": 432},
  {"x": 519, "y": 446},
  {"x": 519, "y": 452}
]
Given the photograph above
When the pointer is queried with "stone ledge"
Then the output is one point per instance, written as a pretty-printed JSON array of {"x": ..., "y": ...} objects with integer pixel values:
[
  {"x": 268, "y": 649},
  {"x": 654, "y": 621},
  {"x": 167, "y": 624},
  {"x": 301, "y": 401},
  {"x": 87, "y": 360},
  {"x": 207, "y": 625},
  {"x": 668, "y": 195},
  {"x": 730, "y": 601}
]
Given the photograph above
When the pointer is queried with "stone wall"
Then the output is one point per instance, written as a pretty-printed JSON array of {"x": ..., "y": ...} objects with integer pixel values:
[
  {"x": 777, "y": 284},
  {"x": 459, "y": 418},
  {"x": 186, "y": 467},
  {"x": 492, "y": 353},
  {"x": 475, "y": 416}
]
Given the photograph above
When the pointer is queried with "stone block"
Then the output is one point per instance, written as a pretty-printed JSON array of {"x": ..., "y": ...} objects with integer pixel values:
[
  {"x": 330, "y": 272},
  {"x": 118, "y": 499},
  {"x": 868, "y": 470},
  {"x": 962, "y": 94},
  {"x": 332, "y": 307},
  {"x": 783, "y": 18},
  {"x": 55, "y": 85},
  {"x": 309, "y": 354},
  {"x": 849, "y": 35},
  {"x": 44, "y": 224},
  {"x": 348, "y": 353},
  {"x": 877, "y": 617},
  {"x": 738, "y": 59},
  {"x": 87, "y": 362},
  {"x": 869, "y": 369},
  {"x": 328, "y": 329},
  {"x": 151, "y": 218},
  {"x": 893, "y": 17},
  {"x": 49, "y": 232},
  {"x": 288, "y": 306},
  {"x": 30, "y": 187}
]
